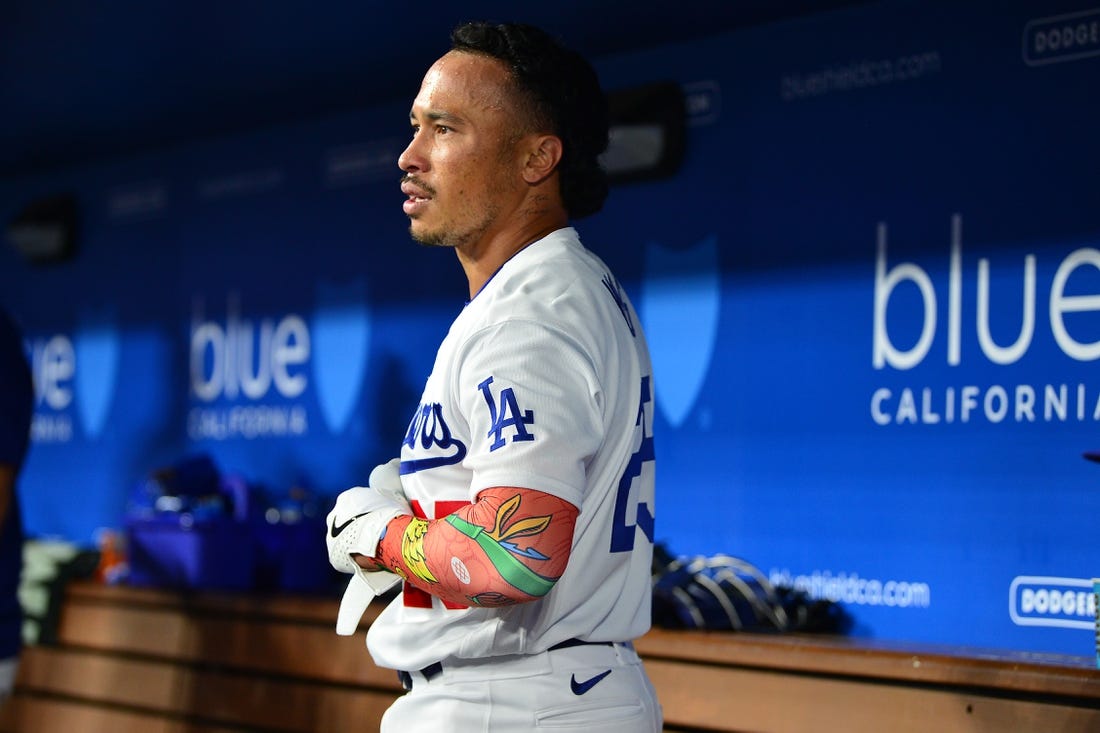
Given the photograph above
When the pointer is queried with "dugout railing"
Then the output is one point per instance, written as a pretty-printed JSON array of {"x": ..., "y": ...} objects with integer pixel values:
[{"x": 135, "y": 660}]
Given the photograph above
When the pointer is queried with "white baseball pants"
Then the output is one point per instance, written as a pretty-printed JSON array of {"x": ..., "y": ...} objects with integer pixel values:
[{"x": 591, "y": 687}]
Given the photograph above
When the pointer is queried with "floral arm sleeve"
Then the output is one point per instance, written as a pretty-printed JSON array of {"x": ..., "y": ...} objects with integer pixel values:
[{"x": 509, "y": 547}]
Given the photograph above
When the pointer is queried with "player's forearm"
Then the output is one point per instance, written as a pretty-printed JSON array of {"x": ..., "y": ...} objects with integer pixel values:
[{"x": 509, "y": 547}]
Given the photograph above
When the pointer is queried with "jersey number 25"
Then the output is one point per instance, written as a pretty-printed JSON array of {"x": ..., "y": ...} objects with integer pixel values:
[{"x": 623, "y": 534}]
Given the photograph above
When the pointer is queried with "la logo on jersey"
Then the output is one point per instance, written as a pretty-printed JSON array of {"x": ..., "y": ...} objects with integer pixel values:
[{"x": 504, "y": 414}]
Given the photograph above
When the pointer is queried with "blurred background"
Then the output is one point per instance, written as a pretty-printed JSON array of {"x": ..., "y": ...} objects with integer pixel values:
[{"x": 863, "y": 237}]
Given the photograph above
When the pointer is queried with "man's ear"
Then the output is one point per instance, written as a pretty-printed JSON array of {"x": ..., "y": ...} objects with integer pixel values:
[{"x": 543, "y": 156}]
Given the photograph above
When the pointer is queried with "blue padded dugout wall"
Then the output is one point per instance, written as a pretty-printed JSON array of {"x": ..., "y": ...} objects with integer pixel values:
[{"x": 871, "y": 294}]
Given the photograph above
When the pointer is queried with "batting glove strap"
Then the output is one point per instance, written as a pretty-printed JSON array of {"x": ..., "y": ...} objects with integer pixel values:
[
  {"x": 379, "y": 581},
  {"x": 362, "y": 589}
]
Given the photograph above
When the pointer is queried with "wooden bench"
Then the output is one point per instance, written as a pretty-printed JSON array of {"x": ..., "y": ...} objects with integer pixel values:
[{"x": 132, "y": 660}]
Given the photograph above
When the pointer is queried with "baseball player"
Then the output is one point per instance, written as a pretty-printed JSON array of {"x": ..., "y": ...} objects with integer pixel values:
[{"x": 519, "y": 516}]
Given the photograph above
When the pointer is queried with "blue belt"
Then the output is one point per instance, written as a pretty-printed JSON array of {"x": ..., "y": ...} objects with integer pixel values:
[{"x": 436, "y": 668}]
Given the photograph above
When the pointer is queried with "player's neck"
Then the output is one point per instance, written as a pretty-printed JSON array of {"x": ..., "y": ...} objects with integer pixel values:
[{"x": 480, "y": 260}]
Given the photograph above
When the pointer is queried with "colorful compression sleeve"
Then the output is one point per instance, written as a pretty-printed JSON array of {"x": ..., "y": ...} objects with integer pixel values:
[{"x": 509, "y": 547}]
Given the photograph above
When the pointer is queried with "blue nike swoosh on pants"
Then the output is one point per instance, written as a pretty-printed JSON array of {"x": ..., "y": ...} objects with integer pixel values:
[{"x": 579, "y": 688}]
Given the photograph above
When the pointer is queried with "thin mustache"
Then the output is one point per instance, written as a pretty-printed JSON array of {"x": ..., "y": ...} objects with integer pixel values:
[{"x": 418, "y": 183}]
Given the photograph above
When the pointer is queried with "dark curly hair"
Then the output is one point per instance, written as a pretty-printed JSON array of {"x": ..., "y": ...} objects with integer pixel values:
[{"x": 561, "y": 94}]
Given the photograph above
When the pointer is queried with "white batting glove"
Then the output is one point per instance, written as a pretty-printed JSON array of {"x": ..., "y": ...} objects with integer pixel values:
[
  {"x": 355, "y": 525},
  {"x": 386, "y": 478},
  {"x": 362, "y": 513}
]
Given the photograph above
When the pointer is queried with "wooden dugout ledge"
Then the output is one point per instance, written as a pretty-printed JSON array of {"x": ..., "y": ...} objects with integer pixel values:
[{"x": 135, "y": 660}]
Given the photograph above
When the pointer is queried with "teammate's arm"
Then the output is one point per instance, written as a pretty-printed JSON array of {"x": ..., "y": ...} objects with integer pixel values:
[{"x": 508, "y": 547}]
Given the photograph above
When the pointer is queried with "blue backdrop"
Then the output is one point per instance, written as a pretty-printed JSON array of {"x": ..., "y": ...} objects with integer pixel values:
[{"x": 871, "y": 292}]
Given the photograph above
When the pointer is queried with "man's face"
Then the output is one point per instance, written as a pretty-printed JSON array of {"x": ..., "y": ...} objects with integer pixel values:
[{"x": 462, "y": 173}]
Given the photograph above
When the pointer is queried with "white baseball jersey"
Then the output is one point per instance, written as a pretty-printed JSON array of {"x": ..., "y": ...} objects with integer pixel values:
[{"x": 543, "y": 382}]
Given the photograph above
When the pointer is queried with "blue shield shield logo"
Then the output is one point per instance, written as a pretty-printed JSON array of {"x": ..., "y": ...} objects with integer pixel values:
[
  {"x": 341, "y": 336},
  {"x": 681, "y": 294},
  {"x": 97, "y": 345}
]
